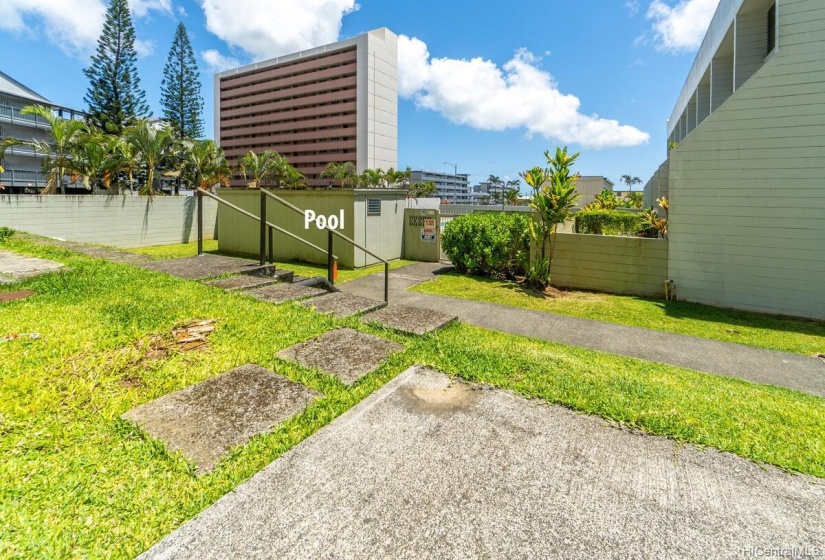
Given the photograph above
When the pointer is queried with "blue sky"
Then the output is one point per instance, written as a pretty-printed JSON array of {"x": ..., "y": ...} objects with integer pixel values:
[{"x": 486, "y": 85}]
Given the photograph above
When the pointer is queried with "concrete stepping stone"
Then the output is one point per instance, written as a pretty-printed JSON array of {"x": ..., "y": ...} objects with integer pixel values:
[
  {"x": 343, "y": 304},
  {"x": 204, "y": 266},
  {"x": 344, "y": 353},
  {"x": 208, "y": 419},
  {"x": 412, "y": 320},
  {"x": 14, "y": 266},
  {"x": 248, "y": 281},
  {"x": 282, "y": 293}
]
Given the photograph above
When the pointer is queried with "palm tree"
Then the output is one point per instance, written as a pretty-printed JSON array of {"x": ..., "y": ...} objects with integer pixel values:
[
  {"x": 630, "y": 181},
  {"x": 393, "y": 179},
  {"x": 371, "y": 178},
  {"x": 285, "y": 175},
  {"x": 496, "y": 183},
  {"x": 94, "y": 159},
  {"x": 511, "y": 196},
  {"x": 204, "y": 165},
  {"x": 258, "y": 169},
  {"x": 341, "y": 173},
  {"x": 151, "y": 145},
  {"x": 128, "y": 160},
  {"x": 63, "y": 135}
]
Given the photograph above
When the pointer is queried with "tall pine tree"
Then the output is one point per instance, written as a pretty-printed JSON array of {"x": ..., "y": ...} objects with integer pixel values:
[
  {"x": 181, "y": 88},
  {"x": 114, "y": 95}
]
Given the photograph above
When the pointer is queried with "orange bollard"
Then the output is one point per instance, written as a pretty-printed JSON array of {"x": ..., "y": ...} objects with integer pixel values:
[{"x": 335, "y": 270}]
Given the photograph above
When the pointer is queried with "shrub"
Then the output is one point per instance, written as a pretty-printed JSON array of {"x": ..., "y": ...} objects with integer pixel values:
[
  {"x": 609, "y": 222},
  {"x": 5, "y": 233},
  {"x": 488, "y": 243}
]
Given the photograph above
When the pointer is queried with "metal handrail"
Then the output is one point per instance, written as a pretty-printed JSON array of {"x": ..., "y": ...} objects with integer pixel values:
[
  {"x": 332, "y": 232},
  {"x": 257, "y": 219}
]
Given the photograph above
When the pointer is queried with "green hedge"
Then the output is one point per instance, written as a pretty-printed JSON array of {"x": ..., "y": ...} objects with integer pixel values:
[
  {"x": 609, "y": 222},
  {"x": 492, "y": 244}
]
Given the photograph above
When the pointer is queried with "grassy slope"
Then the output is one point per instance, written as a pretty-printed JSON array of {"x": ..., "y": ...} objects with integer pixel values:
[
  {"x": 300, "y": 268},
  {"x": 753, "y": 329},
  {"x": 75, "y": 481}
]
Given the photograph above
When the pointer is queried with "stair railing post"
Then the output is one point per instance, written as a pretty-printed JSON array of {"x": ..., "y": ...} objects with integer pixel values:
[
  {"x": 199, "y": 199},
  {"x": 330, "y": 260},
  {"x": 271, "y": 248},
  {"x": 387, "y": 282},
  {"x": 263, "y": 228}
]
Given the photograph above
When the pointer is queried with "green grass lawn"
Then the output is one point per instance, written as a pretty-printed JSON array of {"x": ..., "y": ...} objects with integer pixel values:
[
  {"x": 76, "y": 481},
  {"x": 787, "y": 334},
  {"x": 300, "y": 268}
]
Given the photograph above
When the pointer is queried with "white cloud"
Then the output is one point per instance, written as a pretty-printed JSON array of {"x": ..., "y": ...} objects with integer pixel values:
[
  {"x": 681, "y": 27},
  {"x": 140, "y": 8},
  {"x": 73, "y": 25},
  {"x": 266, "y": 29},
  {"x": 144, "y": 48},
  {"x": 218, "y": 62},
  {"x": 479, "y": 94},
  {"x": 632, "y": 6}
]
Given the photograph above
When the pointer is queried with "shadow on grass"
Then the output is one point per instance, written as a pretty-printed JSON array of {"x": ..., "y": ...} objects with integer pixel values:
[{"x": 678, "y": 310}]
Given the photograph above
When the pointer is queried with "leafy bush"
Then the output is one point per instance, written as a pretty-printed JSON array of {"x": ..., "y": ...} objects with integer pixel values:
[
  {"x": 488, "y": 243},
  {"x": 609, "y": 222},
  {"x": 5, "y": 233}
]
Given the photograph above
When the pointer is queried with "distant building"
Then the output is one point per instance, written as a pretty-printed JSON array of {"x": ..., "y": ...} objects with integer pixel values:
[
  {"x": 589, "y": 186},
  {"x": 21, "y": 164},
  {"x": 335, "y": 103},
  {"x": 453, "y": 189}
]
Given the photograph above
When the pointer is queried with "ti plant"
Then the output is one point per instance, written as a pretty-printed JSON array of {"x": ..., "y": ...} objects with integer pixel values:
[{"x": 554, "y": 195}]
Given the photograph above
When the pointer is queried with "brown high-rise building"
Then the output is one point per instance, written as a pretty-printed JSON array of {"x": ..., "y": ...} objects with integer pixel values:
[{"x": 336, "y": 103}]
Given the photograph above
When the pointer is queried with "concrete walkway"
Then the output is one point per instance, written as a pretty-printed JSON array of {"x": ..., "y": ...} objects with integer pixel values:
[
  {"x": 428, "y": 469},
  {"x": 801, "y": 373}
]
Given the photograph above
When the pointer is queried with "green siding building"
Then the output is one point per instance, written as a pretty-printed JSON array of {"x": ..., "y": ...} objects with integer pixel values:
[{"x": 746, "y": 165}]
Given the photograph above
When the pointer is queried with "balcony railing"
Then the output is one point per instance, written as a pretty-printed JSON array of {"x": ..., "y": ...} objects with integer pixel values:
[
  {"x": 13, "y": 115},
  {"x": 19, "y": 178}
]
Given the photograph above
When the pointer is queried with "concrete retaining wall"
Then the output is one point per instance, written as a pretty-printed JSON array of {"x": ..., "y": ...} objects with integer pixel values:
[
  {"x": 118, "y": 220},
  {"x": 620, "y": 265}
]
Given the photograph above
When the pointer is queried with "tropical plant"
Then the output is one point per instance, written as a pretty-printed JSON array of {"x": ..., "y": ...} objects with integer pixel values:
[
  {"x": 258, "y": 169},
  {"x": 204, "y": 165},
  {"x": 421, "y": 189},
  {"x": 511, "y": 196},
  {"x": 114, "y": 96},
  {"x": 371, "y": 179},
  {"x": 129, "y": 160},
  {"x": 665, "y": 204},
  {"x": 57, "y": 150},
  {"x": 630, "y": 180},
  {"x": 395, "y": 179},
  {"x": 635, "y": 199},
  {"x": 554, "y": 195},
  {"x": 490, "y": 243},
  {"x": 496, "y": 186},
  {"x": 284, "y": 175},
  {"x": 94, "y": 160},
  {"x": 151, "y": 144},
  {"x": 181, "y": 88},
  {"x": 605, "y": 200},
  {"x": 341, "y": 173}
]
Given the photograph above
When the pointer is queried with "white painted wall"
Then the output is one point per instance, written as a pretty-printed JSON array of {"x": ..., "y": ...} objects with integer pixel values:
[
  {"x": 377, "y": 99},
  {"x": 121, "y": 221}
]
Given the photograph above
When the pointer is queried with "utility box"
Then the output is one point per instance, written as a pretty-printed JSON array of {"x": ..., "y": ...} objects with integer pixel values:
[{"x": 422, "y": 235}]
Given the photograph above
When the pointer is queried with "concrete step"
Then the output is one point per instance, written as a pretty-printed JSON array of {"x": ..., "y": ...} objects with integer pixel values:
[
  {"x": 343, "y": 304},
  {"x": 411, "y": 320},
  {"x": 207, "y": 266},
  {"x": 206, "y": 420},
  {"x": 249, "y": 281},
  {"x": 344, "y": 353},
  {"x": 283, "y": 292}
]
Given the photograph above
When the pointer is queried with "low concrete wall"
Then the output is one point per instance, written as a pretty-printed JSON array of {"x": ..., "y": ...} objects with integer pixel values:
[
  {"x": 119, "y": 220},
  {"x": 620, "y": 265}
]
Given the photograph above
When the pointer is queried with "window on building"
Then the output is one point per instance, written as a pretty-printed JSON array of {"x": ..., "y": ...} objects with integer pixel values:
[
  {"x": 771, "y": 29},
  {"x": 373, "y": 207}
]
